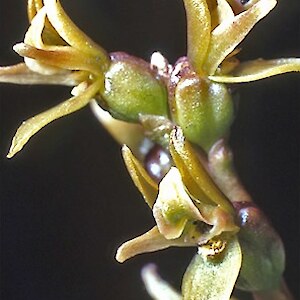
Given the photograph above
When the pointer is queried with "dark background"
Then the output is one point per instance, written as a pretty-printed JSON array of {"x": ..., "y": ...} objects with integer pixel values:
[{"x": 67, "y": 202}]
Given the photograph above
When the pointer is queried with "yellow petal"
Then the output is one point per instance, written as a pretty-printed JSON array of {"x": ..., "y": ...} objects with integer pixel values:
[
  {"x": 225, "y": 12},
  {"x": 63, "y": 57},
  {"x": 33, "y": 35},
  {"x": 33, "y": 6},
  {"x": 259, "y": 69},
  {"x": 198, "y": 31},
  {"x": 145, "y": 184},
  {"x": 226, "y": 36},
  {"x": 173, "y": 207},
  {"x": 187, "y": 177},
  {"x": 211, "y": 278},
  {"x": 42, "y": 68},
  {"x": 186, "y": 160},
  {"x": 151, "y": 241},
  {"x": 220, "y": 11},
  {"x": 21, "y": 74},
  {"x": 49, "y": 34},
  {"x": 34, "y": 124},
  {"x": 71, "y": 33}
]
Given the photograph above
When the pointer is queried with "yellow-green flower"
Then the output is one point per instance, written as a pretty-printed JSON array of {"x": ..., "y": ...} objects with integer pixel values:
[
  {"x": 189, "y": 211},
  {"x": 55, "y": 51},
  {"x": 200, "y": 102},
  {"x": 188, "y": 207},
  {"x": 214, "y": 32}
]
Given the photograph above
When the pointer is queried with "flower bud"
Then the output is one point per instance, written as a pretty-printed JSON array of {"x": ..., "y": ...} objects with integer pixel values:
[
  {"x": 202, "y": 108},
  {"x": 263, "y": 252},
  {"x": 133, "y": 89}
]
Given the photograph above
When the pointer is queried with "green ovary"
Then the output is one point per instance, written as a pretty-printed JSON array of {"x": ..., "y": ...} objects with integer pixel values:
[{"x": 131, "y": 90}]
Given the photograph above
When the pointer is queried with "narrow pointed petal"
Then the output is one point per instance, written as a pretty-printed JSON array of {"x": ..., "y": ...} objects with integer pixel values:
[
  {"x": 156, "y": 287},
  {"x": 173, "y": 207},
  {"x": 186, "y": 159},
  {"x": 259, "y": 69},
  {"x": 21, "y": 74},
  {"x": 187, "y": 177},
  {"x": 226, "y": 36},
  {"x": 34, "y": 124},
  {"x": 33, "y": 6},
  {"x": 33, "y": 35},
  {"x": 63, "y": 57},
  {"x": 145, "y": 184},
  {"x": 213, "y": 277},
  {"x": 49, "y": 34},
  {"x": 225, "y": 11},
  {"x": 198, "y": 31},
  {"x": 71, "y": 33},
  {"x": 151, "y": 241},
  {"x": 220, "y": 10},
  {"x": 131, "y": 134}
]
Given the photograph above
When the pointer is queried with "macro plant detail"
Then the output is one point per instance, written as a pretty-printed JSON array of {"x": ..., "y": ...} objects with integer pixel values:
[{"x": 185, "y": 111}]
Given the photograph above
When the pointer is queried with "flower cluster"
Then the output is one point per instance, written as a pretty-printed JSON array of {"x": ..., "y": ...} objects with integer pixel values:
[
  {"x": 55, "y": 51},
  {"x": 186, "y": 108}
]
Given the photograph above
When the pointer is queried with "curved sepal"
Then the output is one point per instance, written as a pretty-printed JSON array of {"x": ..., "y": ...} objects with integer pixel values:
[
  {"x": 34, "y": 124},
  {"x": 145, "y": 184},
  {"x": 150, "y": 241},
  {"x": 226, "y": 36},
  {"x": 198, "y": 31},
  {"x": 71, "y": 33},
  {"x": 194, "y": 175},
  {"x": 259, "y": 69}
]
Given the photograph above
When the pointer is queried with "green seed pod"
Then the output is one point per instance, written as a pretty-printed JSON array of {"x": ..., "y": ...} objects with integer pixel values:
[
  {"x": 263, "y": 252},
  {"x": 133, "y": 89},
  {"x": 202, "y": 108}
]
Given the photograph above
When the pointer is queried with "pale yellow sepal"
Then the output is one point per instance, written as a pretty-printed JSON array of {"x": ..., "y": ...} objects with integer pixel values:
[
  {"x": 33, "y": 6},
  {"x": 226, "y": 36},
  {"x": 193, "y": 172},
  {"x": 70, "y": 32},
  {"x": 62, "y": 57},
  {"x": 173, "y": 207},
  {"x": 150, "y": 241},
  {"x": 224, "y": 10},
  {"x": 198, "y": 31},
  {"x": 259, "y": 69},
  {"x": 145, "y": 184},
  {"x": 34, "y": 124},
  {"x": 21, "y": 74},
  {"x": 213, "y": 277}
]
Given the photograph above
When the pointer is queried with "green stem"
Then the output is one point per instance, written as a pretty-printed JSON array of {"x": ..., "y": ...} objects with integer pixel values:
[{"x": 220, "y": 163}]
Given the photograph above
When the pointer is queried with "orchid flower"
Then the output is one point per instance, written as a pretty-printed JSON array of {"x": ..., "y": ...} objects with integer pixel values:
[
  {"x": 55, "y": 51},
  {"x": 214, "y": 32},
  {"x": 180, "y": 107},
  {"x": 187, "y": 206},
  {"x": 190, "y": 211}
]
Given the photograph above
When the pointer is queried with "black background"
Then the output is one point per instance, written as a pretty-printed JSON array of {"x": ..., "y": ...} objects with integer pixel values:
[{"x": 67, "y": 202}]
